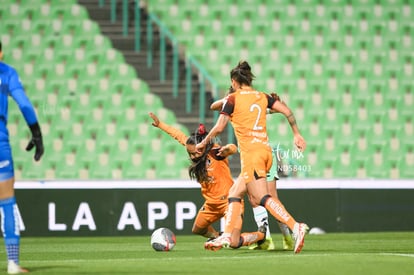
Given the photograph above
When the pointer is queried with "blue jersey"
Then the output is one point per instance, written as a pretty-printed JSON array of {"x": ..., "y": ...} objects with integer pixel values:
[{"x": 10, "y": 85}]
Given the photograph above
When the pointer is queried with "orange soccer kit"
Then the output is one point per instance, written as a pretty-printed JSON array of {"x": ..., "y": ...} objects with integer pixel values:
[
  {"x": 216, "y": 190},
  {"x": 247, "y": 111}
]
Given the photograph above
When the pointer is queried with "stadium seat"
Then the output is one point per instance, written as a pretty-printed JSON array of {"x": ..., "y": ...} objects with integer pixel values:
[
  {"x": 345, "y": 170},
  {"x": 165, "y": 172}
]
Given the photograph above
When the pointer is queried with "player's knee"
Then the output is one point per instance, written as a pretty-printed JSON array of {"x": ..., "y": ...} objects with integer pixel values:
[
  {"x": 253, "y": 202},
  {"x": 233, "y": 199},
  {"x": 264, "y": 199},
  {"x": 237, "y": 244},
  {"x": 199, "y": 231}
]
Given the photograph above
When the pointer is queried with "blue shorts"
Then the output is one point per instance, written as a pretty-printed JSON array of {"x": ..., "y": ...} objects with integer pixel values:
[
  {"x": 272, "y": 174},
  {"x": 6, "y": 161}
]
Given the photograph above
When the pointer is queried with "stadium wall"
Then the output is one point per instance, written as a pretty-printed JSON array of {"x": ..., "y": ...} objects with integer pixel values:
[{"x": 106, "y": 208}]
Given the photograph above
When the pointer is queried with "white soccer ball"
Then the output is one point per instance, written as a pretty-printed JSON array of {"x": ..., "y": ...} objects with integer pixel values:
[
  {"x": 316, "y": 231},
  {"x": 163, "y": 239}
]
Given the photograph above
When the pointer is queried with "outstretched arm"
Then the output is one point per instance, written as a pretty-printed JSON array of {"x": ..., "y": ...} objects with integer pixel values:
[
  {"x": 280, "y": 107},
  {"x": 215, "y": 131},
  {"x": 227, "y": 150},
  {"x": 217, "y": 105},
  {"x": 173, "y": 132}
]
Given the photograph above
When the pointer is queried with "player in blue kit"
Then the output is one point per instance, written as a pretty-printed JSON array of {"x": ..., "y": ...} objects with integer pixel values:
[{"x": 10, "y": 85}]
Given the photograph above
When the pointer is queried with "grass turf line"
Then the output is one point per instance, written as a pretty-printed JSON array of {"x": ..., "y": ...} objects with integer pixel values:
[{"x": 341, "y": 253}]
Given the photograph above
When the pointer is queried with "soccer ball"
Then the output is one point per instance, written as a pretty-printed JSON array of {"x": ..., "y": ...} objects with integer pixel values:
[{"x": 163, "y": 239}]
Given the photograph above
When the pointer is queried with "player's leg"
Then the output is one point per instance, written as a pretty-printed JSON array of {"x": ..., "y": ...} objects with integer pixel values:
[
  {"x": 236, "y": 239},
  {"x": 234, "y": 219},
  {"x": 261, "y": 218},
  {"x": 276, "y": 208},
  {"x": 9, "y": 212},
  {"x": 207, "y": 215},
  {"x": 260, "y": 213},
  {"x": 272, "y": 177},
  {"x": 287, "y": 242},
  {"x": 208, "y": 232},
  {"x": 10, "y": 225},
  {"x": 259, "y": 194},
  {"x": 251, "y": 238}
]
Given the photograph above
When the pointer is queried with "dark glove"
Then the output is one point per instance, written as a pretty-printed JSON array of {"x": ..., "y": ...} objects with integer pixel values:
[{"x": 36, "y": 141}]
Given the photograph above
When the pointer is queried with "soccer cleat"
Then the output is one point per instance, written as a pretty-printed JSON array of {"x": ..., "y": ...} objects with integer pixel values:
[
  {"x": 267, "y": 244},
  {"x": 213, "y": 238},
  {"x": 13, "y": 268},
  {"x": 210, "y": 239},
  {"x": 262, "y": 229},
  {"x": 217, "y": 243},
  {"x": 299, "y": 232},
  {"x": 253, "y": 246},
  {"x": 264, "y": 244},
  {"x": 287, "y": 242}
]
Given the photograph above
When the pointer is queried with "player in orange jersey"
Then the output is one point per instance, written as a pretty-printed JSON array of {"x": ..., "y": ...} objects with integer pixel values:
[
  {"x": 246, "y": 109},
  {"x": 210, "y": 167},
  {"x": 259, "y": 212}
]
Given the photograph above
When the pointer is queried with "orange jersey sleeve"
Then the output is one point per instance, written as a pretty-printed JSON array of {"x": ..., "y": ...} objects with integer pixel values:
[{"x": 173, "y": 132}]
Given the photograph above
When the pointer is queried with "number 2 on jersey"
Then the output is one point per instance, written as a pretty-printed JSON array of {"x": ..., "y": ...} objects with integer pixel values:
[{"x": 259, "y": 112}]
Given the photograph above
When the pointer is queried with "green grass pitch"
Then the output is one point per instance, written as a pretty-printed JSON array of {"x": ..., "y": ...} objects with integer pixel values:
[{"x": 342, "y": 253}]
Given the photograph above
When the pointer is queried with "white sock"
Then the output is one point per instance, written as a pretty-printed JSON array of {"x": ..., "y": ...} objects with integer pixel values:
[
  {"x": 284, "y": 229},
  {"x": 261, "y": 217}
]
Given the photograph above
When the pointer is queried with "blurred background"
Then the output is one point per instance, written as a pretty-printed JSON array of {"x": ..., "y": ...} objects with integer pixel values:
[{"x": 94, "y": 69}]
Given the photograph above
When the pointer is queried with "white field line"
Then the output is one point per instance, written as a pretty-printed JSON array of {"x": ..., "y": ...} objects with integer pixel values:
[
  {"x": 398, "y": 254},
  {"x": 188, "y": 184},
  {"x": 261, "y": 256}
]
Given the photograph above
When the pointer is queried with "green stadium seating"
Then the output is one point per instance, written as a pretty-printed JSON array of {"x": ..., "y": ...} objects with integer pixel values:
[
  {"x": 91, "y": 134},
  {"x": 175, "y": 162},
  {"x": 346, "y": 96}
]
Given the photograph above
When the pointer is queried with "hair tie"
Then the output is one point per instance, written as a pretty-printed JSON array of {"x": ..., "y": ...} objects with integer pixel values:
[{"x": 201, "y": 129}]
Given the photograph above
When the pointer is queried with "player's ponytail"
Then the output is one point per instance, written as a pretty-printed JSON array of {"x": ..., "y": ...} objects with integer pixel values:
[{"x": 242, "y": 73}]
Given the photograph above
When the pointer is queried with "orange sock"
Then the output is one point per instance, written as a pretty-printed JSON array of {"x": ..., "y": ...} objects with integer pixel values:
[
  {"x": 249, "y": 238},
  {"x": 276, "y": 208},
  {"x": 234, "y": 216},
  {"x": 234, "y": 221}
]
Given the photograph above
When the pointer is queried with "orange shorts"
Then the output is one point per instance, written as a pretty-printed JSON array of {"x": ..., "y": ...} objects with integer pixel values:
[
  {"x": 255, "y": 164},
  {"x": 210, "y": 213}
]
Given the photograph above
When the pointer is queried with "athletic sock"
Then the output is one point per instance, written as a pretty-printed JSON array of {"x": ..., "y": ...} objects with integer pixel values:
[
  {"x": 11, "y": 229},
  {"x": 248, "y": 238},
  {"x": 261, "y": 217},
  {"x": 284, "y": 228},
  {"x": 276, "y": 208},
  {"x": 234, "y": 216}
]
